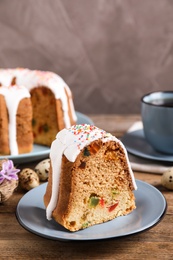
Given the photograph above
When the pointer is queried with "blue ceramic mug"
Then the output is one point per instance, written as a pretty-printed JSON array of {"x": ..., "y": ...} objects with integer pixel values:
[{"x": 157, "y": 118}]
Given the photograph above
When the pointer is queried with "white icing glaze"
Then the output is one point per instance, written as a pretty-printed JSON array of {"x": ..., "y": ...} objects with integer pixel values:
[
  {"x": 34, "y": 78},
  {"x": 31, "y": 79},
  {"x": 70, "y": 142},
  {"x": 13, "y": 95}
]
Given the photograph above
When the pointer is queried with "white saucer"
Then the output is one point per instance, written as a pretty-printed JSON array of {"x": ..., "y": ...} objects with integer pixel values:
[
  {"x": 40, "y": 152},
  {"x": 31, "y": 214},
  {"x": 136, "y": 144}
]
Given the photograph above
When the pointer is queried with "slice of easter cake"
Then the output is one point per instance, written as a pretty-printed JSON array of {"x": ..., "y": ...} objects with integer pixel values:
[{"x": 90, "y": 178}]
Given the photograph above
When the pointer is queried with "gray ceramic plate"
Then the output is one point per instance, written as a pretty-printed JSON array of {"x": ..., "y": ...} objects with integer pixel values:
[
  {"x": 150, "y": 208},
  {"x": 39, "y": 151},
  {"x": 136, "y": 144}
]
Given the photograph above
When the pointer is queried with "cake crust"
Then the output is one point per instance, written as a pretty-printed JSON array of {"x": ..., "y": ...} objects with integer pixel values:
[
  {"x": 24, "y": 126},
  {"x": 4, "y": 140},
  {"x": 23, "y": 130}
]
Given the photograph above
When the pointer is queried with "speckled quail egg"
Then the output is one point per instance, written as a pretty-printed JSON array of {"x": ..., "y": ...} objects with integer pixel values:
[
  {"x": 28, "y": 179},
  {"x": 167, "y": 179},
  {"x": 42, "y": 169}
]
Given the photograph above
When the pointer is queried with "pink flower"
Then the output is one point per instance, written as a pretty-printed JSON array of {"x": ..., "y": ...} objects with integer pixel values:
[{"x": 8, "y": 171}]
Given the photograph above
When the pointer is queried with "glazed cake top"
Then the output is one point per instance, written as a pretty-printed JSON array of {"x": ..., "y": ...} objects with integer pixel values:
[
  {"x": 70, "y": 142},
  {"x": 35, "y": 78}
]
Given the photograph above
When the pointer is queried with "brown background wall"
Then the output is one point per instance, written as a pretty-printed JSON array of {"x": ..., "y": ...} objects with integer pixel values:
[{"x": 110, "y": 52}]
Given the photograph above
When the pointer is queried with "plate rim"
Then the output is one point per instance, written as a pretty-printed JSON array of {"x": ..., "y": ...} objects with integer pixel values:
[
  {"x": 29, "y": 157},
  {"x": 60, "y": 238},
  {"x": 139, "y": 153}
]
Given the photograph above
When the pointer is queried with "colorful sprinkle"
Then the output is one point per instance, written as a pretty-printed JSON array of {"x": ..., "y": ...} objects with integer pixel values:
[{"x": 87, "y": 133}]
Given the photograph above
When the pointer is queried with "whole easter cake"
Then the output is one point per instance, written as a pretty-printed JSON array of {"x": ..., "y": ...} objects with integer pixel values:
[
  {"x": 90, "y": 178},
  {"x": 50, "y": 109}
]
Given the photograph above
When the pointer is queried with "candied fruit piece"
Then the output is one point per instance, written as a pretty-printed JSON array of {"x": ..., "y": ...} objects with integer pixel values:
[
  {"x": 115, "y": 191},
  {"x": 45, "y": 128},
  {"x": 102, "y": 202},
  {"x": 33, "y": 122},
  {"x": 86, "y": 152},
  {"x": 93, "y": 201},
  {"x": 112, "y": 207},
  {"x": 85, "y": 225},
  {"x": 82, "y": 165},
  {"x": 94, "y": 148}
]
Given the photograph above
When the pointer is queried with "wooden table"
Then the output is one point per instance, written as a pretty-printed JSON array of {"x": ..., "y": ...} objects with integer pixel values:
[{"x": 155, "y": 243}]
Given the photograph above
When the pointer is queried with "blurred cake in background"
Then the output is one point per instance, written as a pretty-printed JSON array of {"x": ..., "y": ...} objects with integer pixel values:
[{"x": 50, "y": 110}]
